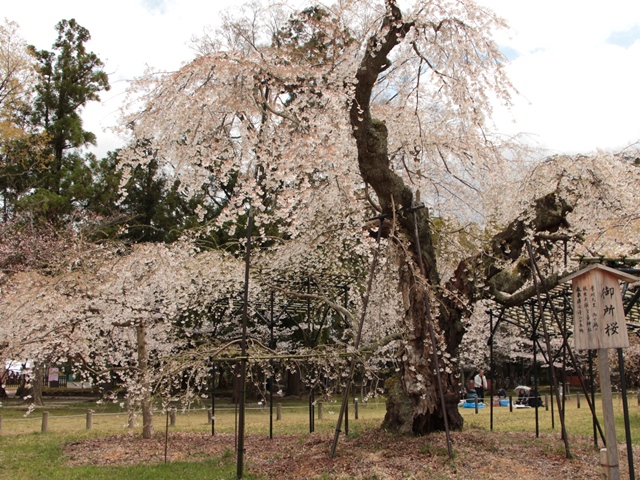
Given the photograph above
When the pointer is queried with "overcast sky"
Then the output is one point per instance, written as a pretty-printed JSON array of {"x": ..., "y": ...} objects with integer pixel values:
[{"x": 575, "y": 63}]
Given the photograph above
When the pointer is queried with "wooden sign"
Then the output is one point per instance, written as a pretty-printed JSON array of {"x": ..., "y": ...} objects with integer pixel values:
[{"x": 597, "y": 308}]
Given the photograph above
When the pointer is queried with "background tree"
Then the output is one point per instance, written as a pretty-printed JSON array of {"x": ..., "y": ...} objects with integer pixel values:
[{"x": 68, "y": 77}]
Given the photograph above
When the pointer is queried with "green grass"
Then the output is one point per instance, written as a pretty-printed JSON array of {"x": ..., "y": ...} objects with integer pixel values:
[
  {"x": 26, "y": 453},
  {"x": 34, "y": 456},
  {"x": 577, "y": 420}
]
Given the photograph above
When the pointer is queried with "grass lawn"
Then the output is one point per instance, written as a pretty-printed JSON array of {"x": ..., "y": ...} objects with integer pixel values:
[
  {"x": 578, "y": 420},
  {"x": 26, "y": 453}
]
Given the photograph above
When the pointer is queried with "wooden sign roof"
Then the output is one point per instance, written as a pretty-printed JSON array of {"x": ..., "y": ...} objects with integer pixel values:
[{"x": 598, "y": 312}]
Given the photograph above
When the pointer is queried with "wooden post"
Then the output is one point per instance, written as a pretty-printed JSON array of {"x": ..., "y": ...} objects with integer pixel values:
[
  {"x": 476, "y": 405},
  {"x": 603, "y": 463},
  {"x": 45, "y": 421},
  {"x": 319, "y": 410},
  {"x": 546, "y": 402},
  {"x": 355, "y": 408},
  {"x": 172, "y": 417},
  {"x": 278, "y": 411},
  {"x": 209, "y": 416},
  {"x": 612, "y": 463},
  {"x": 89, "y": 419},
  {"x": 511, "y": 403},
  {"x": 0, "y": 425},
  {"x": 578, "y": 399}
]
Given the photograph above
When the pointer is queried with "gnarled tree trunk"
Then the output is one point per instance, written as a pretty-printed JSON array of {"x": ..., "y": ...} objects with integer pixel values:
[{"x": 413, "y": 404}]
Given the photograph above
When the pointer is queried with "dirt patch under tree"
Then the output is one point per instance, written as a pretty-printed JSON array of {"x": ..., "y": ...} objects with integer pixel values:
[{"x": 373, "y": 454}]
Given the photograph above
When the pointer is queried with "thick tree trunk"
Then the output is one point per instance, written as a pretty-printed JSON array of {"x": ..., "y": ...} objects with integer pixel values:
[
  {"x": 143, "y": 367},
  {"x": 414, "y": 404}
]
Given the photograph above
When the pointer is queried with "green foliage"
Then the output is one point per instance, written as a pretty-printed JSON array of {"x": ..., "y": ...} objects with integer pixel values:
[
  {"x": 68, "y": 78},
  {"x": 313, "y": 35}
]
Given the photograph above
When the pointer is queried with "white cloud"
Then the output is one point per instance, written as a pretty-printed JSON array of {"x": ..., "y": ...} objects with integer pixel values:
[
  {"x": 578, "y": 83},
  {"x": 577, "y": 87}
]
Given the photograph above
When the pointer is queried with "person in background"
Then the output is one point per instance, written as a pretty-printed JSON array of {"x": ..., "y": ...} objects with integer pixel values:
[
  {"x": 523, "y": 398},
  {"x": 480, "y": 383}
]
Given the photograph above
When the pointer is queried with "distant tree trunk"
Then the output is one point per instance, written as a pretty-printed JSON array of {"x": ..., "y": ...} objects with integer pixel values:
[
  {"x": 37, "y": 381},
  {"x": 145, "y": 383},
  {"x": 294, "y": 383},
  {"x": 4, "y": 374}
]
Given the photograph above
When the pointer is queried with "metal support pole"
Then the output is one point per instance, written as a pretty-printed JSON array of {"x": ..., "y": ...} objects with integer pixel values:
[
  {"x": 311, "y": 413},
  {"x": 536, "y": 275},
  {"x": 553, "y": 417},
  {"x": 243, "y": 362},
  {"x": 625, "y": 409},
  {"x": 365, "y": 304},
  {"x": 346, "y": 416},
  {"x": 213, "y": 399},
  {"x": 272, "y": 345},
  {"x": 432, "y": 335},
  {"x": 534, "y": 337},
  {"x": 492, "y": 367},
  {"x": 593, "y": 397}
]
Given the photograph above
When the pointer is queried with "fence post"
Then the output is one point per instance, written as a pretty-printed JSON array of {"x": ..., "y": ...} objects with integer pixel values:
[
  {"x": 319, "y": 410},
  {"x": 578, "y": 398},
  {"x": 89, "y": 419},
  {"x": 45, "y": 421},
  {"x": 355, "y": 408},
  {"x": 209, "y": 416},
  {"x": 278, "y": 411},
  {"x": 172, "y": 417}
]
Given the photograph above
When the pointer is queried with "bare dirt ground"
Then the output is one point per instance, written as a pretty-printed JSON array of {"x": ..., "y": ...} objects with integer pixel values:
[{"x": 375, "y": 454}]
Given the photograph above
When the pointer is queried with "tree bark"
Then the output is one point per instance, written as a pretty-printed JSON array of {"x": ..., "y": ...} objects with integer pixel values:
[{"x": 37, "y": 382}]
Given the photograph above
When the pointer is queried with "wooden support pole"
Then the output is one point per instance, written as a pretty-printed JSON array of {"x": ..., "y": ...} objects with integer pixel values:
[
  {"x": 209, "y": 416},
  {"x": 89, "y": 419},
  {"x": 319, "y": 410},
  {"x": 172, "y": 417},
  {"x": 476, "y": 405},
  {"x": 0, "y": 425},
  {"x": 546, "y": 402},
  {"x": 278, "y": 411},
  {"x": 45, "y": 421},
  {"x": 355, "y": 408},
  {"x": 612, "y": 462},
  {"x": 511, "y": 403},
  {"x": 578, "y": 399}
]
